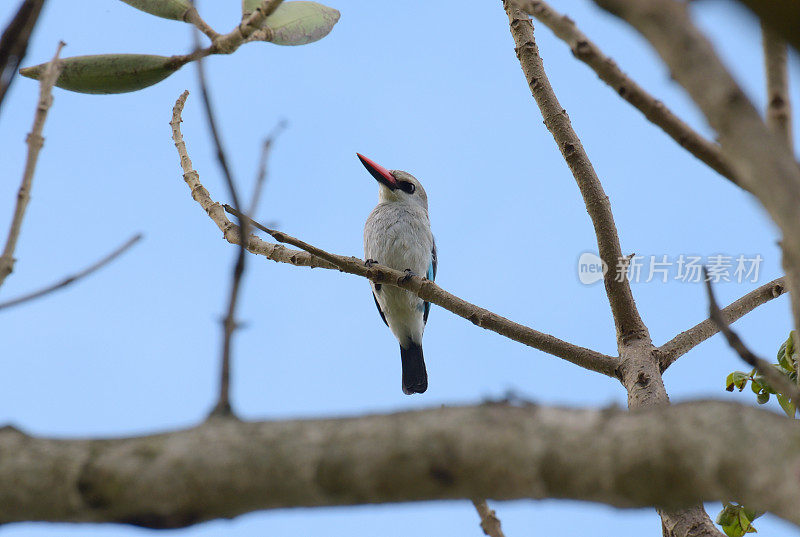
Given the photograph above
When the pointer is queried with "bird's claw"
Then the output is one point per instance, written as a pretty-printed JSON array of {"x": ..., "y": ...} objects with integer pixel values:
[
  {"x": 409, "y": 274},
  {"x": 369, "y": 263}
]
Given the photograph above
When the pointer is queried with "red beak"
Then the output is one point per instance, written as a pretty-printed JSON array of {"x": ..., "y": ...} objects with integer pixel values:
[{"x": 377, "y": 171}]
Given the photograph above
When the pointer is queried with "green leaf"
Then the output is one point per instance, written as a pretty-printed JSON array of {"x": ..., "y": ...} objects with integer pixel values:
[
  {"x": 298, "y": 23},
  {"x": 168, "y": 9},
  {"x": 110, "y": 73},
  {"x": 745, "y": 522},
  {"x": 728, "y": 515},
  {"x": 786, "y": 405},
  {"x": 762, "y": 398},
  {"x": 736, "y": 520}
]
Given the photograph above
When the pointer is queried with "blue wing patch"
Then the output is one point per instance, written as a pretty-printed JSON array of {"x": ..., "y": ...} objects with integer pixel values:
[{"x": 431, "y": 275}]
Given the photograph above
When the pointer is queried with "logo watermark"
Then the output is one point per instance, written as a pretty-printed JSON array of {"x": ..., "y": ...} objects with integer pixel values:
[
  {"x": 591, "y": 268},
  {"x": 663, "y": 268}
]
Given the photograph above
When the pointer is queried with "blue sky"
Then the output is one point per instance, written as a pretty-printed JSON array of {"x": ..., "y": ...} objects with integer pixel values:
[{"x": 433, "y": 88}]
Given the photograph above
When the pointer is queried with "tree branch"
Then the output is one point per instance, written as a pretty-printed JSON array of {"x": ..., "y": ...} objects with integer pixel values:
[
  {"x": 760, "y": 159},
  {"x": 626, "y": 317},
  {"x": 14, "y": 42},
  {"x": 779, "y": 106},
  {"x": 669, "y": 456},
  {"x": 229, "y": 324},
  {"x": 782, "y": 16},
  {"x": 35, "y": 143},
  {"x": 490, "y": 524},
  {"x": 73, "y": 278},
  {"x": 425, "y": 289},
  {"x": 673, "y": 349},
  {"x": 607, "y": 70},
  {"x": 776, "y": 380}
]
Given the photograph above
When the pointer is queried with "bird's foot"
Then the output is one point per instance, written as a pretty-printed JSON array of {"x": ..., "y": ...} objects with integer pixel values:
[
  {"x": 409, "y": 274},
  {"x": 369, "y": 263}
]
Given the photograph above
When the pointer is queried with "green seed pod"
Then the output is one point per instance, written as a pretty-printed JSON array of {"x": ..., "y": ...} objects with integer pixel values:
[
  {"x": 296, "y": 23},
  {"x": 110, "y": 73},
  {"x": 168, "y": 9}
]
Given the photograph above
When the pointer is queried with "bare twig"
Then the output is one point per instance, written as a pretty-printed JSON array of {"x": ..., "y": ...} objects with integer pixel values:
[
  {"x": 779, "y": 107},
  {"x": 193, "y": 17},
  {"x": 14, "y": 42},
  {"x": 223, "y": 406},
  {"x": 425, "y": 289},
  {"x": 74, "y": 277},
  {"x": 673, "y": 349},
  {"x": 35, "y": 143},
  {"x": 779, "y": 382},
  {"x": 490, "y": 524},
  {"x": 626, "y": 316},
  {"x": 607, "y": 70},
  {"x": 261, "y": 176}
]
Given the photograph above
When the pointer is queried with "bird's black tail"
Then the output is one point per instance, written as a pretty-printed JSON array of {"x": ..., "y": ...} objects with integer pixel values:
[{"x": 415, "y": 378}]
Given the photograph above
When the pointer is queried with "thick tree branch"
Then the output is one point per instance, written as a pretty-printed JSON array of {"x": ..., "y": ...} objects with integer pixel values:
[
  {"x": 74, "y": 277},
  {"x": 777, "y": 380},
  {"x": 779, "y": 107},
  {"x": 760, "y": 159},
  {"x": 673, "y": 349},
  {"x": 626, "y": 317},
  {"x": 669, "y": 456},
  {"x": 425, "y": 289},
  {"x": 35, "y": 142},
  {"x": 607, "y": 70}
]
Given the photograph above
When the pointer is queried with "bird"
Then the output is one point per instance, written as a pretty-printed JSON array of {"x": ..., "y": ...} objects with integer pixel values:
[{"x": 398, "y": 234}]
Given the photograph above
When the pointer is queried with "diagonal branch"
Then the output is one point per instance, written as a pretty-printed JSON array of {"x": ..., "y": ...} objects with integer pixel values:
[
  {"x": 626, "y": 317},
  {"x": 425, "y": 289},
  {"x": 35, "y": 143},
  {"x": 760, "y": 159},
  {"x": 673, "y": 349},
  {"x": 779, "y": 382},
  {"x": 669, "y": 456},
  {"x": 74, "y": 277},
  {"x": 607, "y": 70},
  {"x": 14, "y": 42},
  {"x": 490, "y": 524},
  {"x": 779, "y": 107},
  {"x": 229, "y": 324}
]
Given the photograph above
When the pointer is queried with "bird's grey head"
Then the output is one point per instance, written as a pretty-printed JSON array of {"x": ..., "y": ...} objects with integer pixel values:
[{"x": 396, "y": 185}]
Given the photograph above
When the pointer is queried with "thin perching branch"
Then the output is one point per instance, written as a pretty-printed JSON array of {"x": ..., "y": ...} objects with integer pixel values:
[
  {"x": 74, "y": 277},
  {"x": 35, "y": 143},
  {"x": 421, "y": 287},
  {"x": 779, "y": 107},
  {"x": 490, "y": 524},
  {"x": 609, "y": 72},
  {"x": 779, "y": 382},
  {"x": 628, "y": 322},
  {"x": 673, "y": 349}
]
